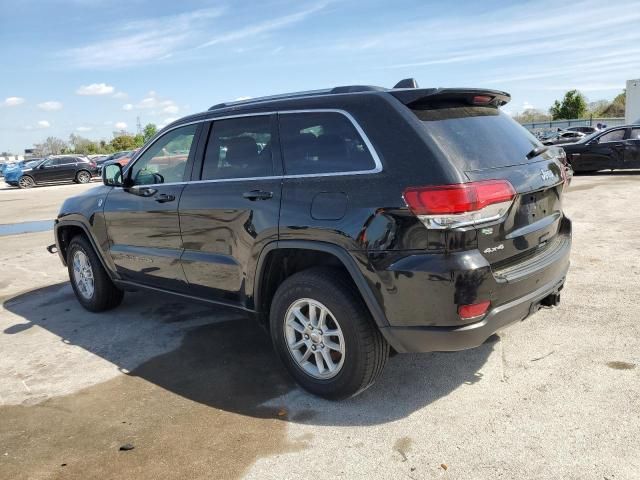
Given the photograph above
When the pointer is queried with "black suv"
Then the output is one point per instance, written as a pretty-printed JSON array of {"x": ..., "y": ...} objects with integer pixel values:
[
  {"x": 349, "y": 221},
  {"x": 64, "y": 168}
]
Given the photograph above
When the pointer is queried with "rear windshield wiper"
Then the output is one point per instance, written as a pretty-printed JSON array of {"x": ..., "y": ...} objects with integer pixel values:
[{"x": 537, "y": 151}]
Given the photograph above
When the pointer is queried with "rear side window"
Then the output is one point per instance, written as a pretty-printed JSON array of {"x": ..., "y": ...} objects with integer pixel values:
[
  {"x": 239, "y": 148},
  {"x": 635, "y": 134},
  {"x": 476, "y": 138},
  {"x": 322, "y": 142}
]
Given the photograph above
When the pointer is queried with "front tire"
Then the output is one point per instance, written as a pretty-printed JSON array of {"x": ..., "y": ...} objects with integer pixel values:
[
  {"x": 324, "y": 334},
  {"x": 93, "y": 288}
]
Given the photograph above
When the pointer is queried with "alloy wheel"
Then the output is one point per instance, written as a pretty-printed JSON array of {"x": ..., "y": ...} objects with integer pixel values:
[
  {"x": 83, "y": 274},
  {"x": 314, "y": 338}
]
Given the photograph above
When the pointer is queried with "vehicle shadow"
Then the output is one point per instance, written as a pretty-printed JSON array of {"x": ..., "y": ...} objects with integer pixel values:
[
  {"x": 225, "y": 360},
  {"x": 607, "y": 173}
]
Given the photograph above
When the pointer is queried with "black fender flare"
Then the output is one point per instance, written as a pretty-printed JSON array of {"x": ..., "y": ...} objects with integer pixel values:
[
  {"x": 61, "y": 223},
  {"x": 341, "y": 254}
]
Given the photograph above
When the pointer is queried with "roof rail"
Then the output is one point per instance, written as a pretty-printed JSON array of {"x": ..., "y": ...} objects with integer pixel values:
[
  {"x": 281, "y": 96},
  {"x": 406, "y": 83}
]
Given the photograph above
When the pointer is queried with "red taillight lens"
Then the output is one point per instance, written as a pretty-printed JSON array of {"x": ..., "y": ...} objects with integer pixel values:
[
  {"x": 474, "y": 310},
  {"x": 482, "y": 99},
  {"x": 458, "y": 198}
]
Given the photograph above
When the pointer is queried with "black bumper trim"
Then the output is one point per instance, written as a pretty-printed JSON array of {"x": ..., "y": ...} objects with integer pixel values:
[{"x": 445, "y": 339}]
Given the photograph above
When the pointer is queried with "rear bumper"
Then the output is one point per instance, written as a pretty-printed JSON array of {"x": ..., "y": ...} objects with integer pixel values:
[{"x": 429, "y": 339}]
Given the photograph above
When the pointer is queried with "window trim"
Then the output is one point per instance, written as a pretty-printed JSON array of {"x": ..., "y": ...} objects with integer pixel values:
[{"x": 374, "y": 154}]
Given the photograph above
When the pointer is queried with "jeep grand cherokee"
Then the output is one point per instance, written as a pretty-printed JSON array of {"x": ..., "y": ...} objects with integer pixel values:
[{"x": 349, "y": 221}]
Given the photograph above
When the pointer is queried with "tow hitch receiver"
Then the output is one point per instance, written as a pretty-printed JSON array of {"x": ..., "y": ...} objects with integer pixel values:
[
  {"x": 52, "y": 248},
  {"x": 552, "y": 300}
]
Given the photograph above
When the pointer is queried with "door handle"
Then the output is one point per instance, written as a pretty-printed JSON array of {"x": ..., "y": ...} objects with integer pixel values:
[
  {"x": 257, "y": 195},
  {"x": 163, "y": 198},
  {"x": 619, "y": 145}
]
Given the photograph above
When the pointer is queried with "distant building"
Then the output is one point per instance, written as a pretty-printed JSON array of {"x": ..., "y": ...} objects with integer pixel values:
[{"x": 632, "y": 102}]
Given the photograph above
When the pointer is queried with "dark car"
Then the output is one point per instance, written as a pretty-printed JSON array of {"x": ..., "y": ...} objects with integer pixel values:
[
  {"x": 614, "y": 148},
  {"x": 349, "y": 221},
  {"x": 564, "y": 136},
  {"x": 112, "y": 158},
  {"x": 56, "y": 169}
]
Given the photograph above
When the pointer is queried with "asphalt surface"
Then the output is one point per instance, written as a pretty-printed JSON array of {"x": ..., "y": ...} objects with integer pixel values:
[{"x": 198, "y": 392}]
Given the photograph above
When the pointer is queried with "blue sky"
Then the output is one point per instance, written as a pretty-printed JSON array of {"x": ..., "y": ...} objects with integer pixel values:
[{"x": 92, "y": 66}]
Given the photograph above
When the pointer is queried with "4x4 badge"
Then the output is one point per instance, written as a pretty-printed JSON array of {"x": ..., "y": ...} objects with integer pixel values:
[
  {"x": 494, "y": 249},
  {"x": 546, "y": 174}
]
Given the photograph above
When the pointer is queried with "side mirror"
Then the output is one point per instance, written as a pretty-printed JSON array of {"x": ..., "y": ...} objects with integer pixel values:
[{"x": 112, "y": 175}]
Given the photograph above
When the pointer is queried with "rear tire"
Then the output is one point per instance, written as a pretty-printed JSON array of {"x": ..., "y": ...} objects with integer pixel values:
[
  {"x": 349, "y": 337},
  {"x": 26, "y": 182},
  {"x": 93, "y": 288},
  {"x": 83, "y": 177}
]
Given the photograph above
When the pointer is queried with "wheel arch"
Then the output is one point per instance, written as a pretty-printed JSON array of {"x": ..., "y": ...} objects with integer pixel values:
[
  {"x": 264, "y": 286},
  {"x": 65, "y": 230}
]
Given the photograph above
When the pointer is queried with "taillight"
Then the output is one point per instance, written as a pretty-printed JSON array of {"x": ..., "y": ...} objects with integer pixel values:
[
  {"x": 461, "y": 204},
  {"x": 474, "y": 310}
]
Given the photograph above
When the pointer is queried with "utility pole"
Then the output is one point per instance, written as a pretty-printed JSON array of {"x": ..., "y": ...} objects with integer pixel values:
[{"x": 138, "y": 125}]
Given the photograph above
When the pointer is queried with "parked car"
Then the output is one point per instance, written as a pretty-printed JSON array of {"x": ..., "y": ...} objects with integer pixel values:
[
  {"x": 16, "y": 168},
  {"x": 613, "y": 148},
  {"x": 350, "y": 221},
  {"x": 564, "y": 136},
  {"x": 121, "y": 158},
  {"x": 52, "y": 169},
  {"x": 587, "y": 130}
]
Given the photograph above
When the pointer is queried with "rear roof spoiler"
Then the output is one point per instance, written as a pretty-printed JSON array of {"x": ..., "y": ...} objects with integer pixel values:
[{"x": 414, "y": 97}]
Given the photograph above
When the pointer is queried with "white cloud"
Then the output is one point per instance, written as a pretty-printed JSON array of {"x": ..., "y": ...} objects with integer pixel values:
[
  {"x": 264, "y": 27},
  {"x": 95, "y": 89},
  {"x": 50, "y": 106},
  {"x": 170, "y": 109},
  {"x": 527, "y": 106},
  {"x": 120, "y": 95},
  {"x": 12, "y": 101},
  {"x": 127, "y": 107},
  {"x": 43, "y": 124},
  {"x": 120, "y": 125},
  {"x": 84, "y": 129},
  {"x": 167, "y": 121},
  {"x": 143, "y": 41},
  {"x": 108, "y": 122},
  {"x": 239, "y": 99}
]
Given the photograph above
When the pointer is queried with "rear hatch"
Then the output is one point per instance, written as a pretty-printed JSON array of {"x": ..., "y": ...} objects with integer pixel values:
[{"x": 487, "y": 144}]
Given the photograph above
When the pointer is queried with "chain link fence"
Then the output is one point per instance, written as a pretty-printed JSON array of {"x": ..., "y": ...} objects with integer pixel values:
[{"x": 541, "y": 129}]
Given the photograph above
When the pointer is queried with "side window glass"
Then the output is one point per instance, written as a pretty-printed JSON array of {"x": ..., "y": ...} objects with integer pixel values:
[
  {"x": 613, "y": 136},
  {"x": 635, "y": 134},
  {"x": 239, "y": 148},
  {"x": 166, "y": 160},
  {"x": 322, "y": 142}
]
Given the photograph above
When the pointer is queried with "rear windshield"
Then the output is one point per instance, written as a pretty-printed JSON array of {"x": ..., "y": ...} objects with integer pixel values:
[{"x": 478, "y": 137}]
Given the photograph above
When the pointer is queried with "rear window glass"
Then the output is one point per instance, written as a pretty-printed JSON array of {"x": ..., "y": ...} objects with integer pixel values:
[
  {"x": 322, "y": 142},
  {"x": 478, "y": 137}
]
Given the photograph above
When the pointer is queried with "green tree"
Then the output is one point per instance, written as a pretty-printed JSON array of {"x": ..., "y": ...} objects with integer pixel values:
[
  {"x": 123, "y": 142},
  {"x": 573, "y": 105},
  {"x": 149, "y": 131},
  {"x": 617, "y": 106}
]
